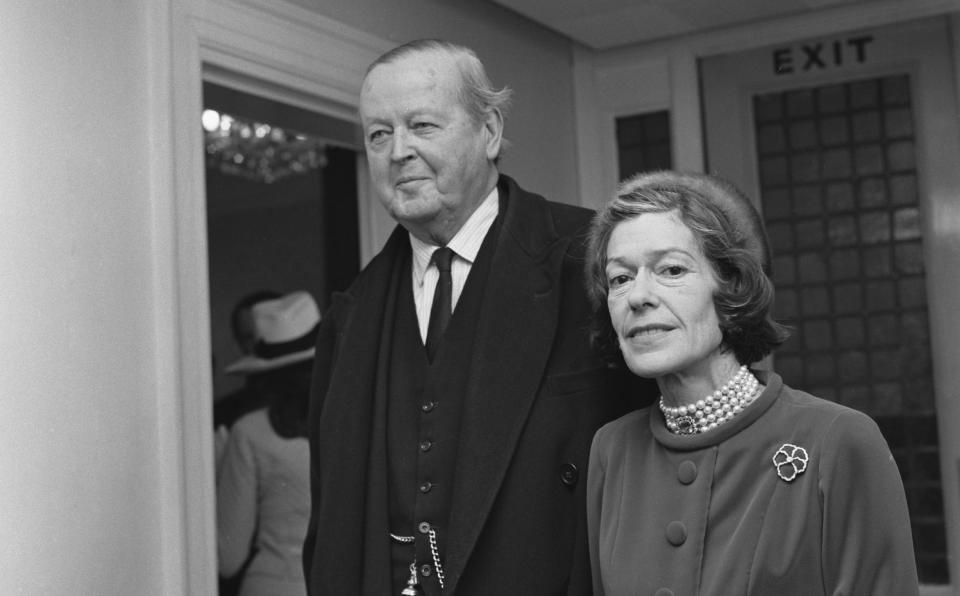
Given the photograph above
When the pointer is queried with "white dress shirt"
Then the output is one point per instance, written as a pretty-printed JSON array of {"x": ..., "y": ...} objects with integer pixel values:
[{"x": 465, "y": 245}]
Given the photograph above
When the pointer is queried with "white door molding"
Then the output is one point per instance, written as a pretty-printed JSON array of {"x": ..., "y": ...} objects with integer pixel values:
[{"x": 276, "y": 50}]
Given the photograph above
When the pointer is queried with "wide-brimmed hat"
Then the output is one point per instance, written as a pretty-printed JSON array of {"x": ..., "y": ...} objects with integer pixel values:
[{"x": 286, "y": 329}]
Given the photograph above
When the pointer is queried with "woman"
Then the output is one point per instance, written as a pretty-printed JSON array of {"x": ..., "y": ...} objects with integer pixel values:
[
  {"x": 735, "y": 483},
  {"x": 263, "y": 488}
]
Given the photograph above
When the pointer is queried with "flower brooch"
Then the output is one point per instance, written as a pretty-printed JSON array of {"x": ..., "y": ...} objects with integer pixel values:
[{"x": 790, "y": 461}]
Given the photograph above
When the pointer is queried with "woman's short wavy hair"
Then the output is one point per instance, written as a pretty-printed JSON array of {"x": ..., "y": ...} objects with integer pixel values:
[{"x": 729, "y": 232}]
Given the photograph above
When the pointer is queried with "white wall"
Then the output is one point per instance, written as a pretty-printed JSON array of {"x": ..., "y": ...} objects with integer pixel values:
[
  {"x": 534, "y": 62},
  {"x": 80, "y": 500}
]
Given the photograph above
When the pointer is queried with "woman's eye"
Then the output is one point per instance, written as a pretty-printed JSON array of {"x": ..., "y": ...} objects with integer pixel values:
[
  {"x": 673, "y": 270},
  {"x": 618, "y": 280}
]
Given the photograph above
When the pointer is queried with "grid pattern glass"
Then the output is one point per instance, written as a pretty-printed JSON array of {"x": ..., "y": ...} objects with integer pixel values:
[
  {"x": 838, "y": 182},
  {"x": 643, "y": 143}
]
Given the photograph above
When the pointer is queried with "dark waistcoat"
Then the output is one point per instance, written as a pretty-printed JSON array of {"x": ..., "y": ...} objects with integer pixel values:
[{"x": 424, "y": 410}]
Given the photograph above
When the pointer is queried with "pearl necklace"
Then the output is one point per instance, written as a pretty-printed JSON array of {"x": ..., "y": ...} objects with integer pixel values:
[{"x": 715, "y": 409}]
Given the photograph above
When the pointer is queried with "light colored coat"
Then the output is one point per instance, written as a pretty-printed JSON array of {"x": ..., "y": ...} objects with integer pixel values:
[{"x": 263, "y": 506}]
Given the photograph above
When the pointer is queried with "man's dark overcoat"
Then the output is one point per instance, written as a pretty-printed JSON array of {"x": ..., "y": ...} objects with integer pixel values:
[{"x": 536, "y": 395}]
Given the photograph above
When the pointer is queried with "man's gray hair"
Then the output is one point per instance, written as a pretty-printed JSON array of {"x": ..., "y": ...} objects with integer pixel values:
[{"x": 477, "y": 94}]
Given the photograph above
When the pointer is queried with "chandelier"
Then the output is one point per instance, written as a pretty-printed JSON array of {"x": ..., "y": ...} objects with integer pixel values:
[{"x": 257, "y": 151}]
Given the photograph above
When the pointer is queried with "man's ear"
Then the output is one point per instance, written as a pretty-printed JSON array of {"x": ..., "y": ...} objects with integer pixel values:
[{"x": 493, "y": 129}]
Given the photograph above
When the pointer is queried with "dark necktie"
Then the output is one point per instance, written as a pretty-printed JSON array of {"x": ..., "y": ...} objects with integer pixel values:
[{"x": 442, "y": 300}]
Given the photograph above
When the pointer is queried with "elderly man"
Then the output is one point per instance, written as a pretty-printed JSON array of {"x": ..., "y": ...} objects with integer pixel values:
[{"x": 455, "y": 390}]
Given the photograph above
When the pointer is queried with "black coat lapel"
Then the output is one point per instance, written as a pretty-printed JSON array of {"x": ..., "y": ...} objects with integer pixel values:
[
  {"x": 351, "y": 439},
  {"x": 515, "y": 332}
]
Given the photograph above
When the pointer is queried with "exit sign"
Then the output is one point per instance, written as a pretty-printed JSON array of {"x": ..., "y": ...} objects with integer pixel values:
[{"x": 821, "y": 55}]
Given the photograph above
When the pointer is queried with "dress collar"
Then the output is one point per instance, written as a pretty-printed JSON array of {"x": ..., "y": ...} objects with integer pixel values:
[{"x": 773, "y": 385}]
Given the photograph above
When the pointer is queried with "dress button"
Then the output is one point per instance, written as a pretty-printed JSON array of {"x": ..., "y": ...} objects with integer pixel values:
[
  {"x": 569, "y": 474},
  {"x": 425, "y": 570},
  {"x": 425, "y": 446},
  {"x": 687, "y": 472},
  {"x": 676, "y": 533},
  {"x": 428, "y": 406},
  {"x": 424, "y": 527},
  {"x": 426, "y": 487},
  {"x": 664, "y": 592}
]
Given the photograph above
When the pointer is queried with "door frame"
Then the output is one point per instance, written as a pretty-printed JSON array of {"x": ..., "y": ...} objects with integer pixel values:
[{"x": 278, "y": 50}]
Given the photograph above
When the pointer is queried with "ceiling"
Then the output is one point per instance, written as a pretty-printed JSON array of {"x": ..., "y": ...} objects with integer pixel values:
[{"x": 604, "y": 24}]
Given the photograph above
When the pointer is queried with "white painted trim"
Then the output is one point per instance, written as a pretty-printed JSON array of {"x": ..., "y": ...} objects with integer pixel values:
[
  {"x": 593, "y": 187},
  {"x": 364, "y": 212},
  {"x": 600, "y": 97},
  {"x": 300, "y": 56},
  {"x": 277, "y": 50},
  {"x": 376, "y": 225},
  {"x": 938, "y": 157},
  {"x": 169, "y": 410},
  {"x": 686, "y": 118},
  {"x": 191, "y": 309},
  {"x": 840, "y": 19}
]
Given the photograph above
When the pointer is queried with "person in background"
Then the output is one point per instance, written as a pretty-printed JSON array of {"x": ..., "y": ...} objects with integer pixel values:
[
  {"x": 734, "y": 483},
  {"x": 263, "y": 492},
  {"x": 228, "y": 408},
  {"x": 455, "y": 388}
]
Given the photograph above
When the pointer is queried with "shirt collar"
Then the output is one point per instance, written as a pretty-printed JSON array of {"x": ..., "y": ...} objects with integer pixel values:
[{"x": 465, "y": 243}]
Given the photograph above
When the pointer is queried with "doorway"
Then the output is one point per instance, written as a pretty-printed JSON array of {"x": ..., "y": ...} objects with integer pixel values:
[
  {"x": 851, "y": 146},
  {"x": 282, "y": 216}
]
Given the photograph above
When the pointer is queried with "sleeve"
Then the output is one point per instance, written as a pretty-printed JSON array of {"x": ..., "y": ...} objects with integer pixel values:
[
  {"x": 327, "y": 344},
  {"x": 867, "y": 542},
  {"x": 236, "y": 503},
  {"x": 595, "y": 480}
]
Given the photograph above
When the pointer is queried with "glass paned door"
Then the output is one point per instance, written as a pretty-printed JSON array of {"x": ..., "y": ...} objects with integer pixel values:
[
  {"x": 855, "y": 165},
  {"x": 838, "y": 187}
]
